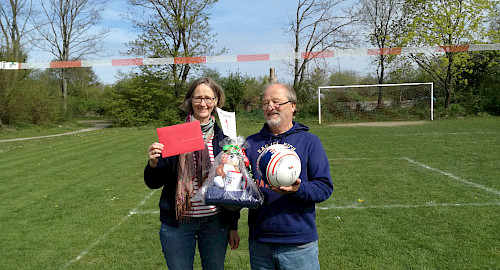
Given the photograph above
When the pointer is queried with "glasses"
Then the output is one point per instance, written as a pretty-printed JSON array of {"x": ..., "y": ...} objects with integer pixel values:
[
  {"x": 208, "y": 100},
  {"x": 275, "y": 105}
]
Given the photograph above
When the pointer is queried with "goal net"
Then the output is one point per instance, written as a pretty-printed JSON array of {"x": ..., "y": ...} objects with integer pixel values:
[{"x": 376, "y": 102}]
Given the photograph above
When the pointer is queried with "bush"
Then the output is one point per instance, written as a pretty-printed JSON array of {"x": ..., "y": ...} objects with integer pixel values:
[
  {"x": 31, "y": 102},
  {"x": 141, "y": 100},
  {"x": 233, "y": 86},
  {"x": 454, "y": 110}
]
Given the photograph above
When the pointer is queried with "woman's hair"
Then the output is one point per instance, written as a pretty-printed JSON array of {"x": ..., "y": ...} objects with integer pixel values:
[{"x": 218, "y": 92}]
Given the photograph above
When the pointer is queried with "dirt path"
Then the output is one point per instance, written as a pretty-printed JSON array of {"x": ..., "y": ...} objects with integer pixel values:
[{"x": 98, "y": 124}]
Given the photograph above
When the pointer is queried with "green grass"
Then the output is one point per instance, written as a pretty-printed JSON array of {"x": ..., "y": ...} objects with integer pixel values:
[
  {"x": 407, "y": 197},
  {"x": 27, "y": 131}
]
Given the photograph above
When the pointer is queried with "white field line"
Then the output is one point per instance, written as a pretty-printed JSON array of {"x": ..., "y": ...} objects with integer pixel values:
[
  {"x": 355, "y": 136},
  {"x": 96, "y": 127},
  {"x": 453, "y": 177},
  {"x": 156, "y": 212},
  {"x": 145, "y": 212},
  {"x": 405, "y": 206},
  {"x": 426, "y": 167},
  {"x": 357, "y": 159},
  {"x": 49, "y": 136},
  {"x": 95, "y": 243},
  {"x": 418, "y": 134},
  {"x": 136, "y": 212},
  {"x": 388, "y": 206}
]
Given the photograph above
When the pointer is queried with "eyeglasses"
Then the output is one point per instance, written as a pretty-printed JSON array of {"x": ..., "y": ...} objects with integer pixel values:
[
  {"x": 275, "y": 105},
  {"x": 208, "y": 100}
]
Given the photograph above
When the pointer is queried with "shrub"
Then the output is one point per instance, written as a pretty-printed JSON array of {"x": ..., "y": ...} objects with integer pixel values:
[{"x": 140, "y": 100}]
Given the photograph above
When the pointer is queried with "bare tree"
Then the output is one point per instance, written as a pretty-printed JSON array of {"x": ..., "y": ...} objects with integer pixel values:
[
  {"x": 381, "y": 18},
  {"x": 495, "y": 22},
  {"x": 316, "y": 28},
  {"x": 67, "y": 31},
  {"x": 172, "y": 28},
  {"x": 14, "y": 23},
  {"x": 14, "y": 26}
]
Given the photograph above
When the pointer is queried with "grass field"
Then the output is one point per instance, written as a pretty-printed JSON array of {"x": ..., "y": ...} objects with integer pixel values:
[{"x": 406, "y": 197}]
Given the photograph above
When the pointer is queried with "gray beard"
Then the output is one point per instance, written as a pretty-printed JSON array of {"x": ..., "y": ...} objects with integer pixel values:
[{"x": 274, "y": 122}]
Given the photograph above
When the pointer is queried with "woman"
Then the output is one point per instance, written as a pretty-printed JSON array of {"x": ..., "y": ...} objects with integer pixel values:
[{"x": 183, "y": 223}]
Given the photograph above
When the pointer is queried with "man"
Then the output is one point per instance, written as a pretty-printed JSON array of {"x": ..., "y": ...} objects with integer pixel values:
[{"x": 282, "y": 232}]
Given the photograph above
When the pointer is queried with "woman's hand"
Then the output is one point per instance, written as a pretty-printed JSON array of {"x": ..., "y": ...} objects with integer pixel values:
[
  {"x": 154, "y": 153},
  {"x": 234, "y": 239}
]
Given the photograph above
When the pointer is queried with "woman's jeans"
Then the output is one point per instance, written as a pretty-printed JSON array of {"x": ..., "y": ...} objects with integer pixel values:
[
  {"x": 283, "y": 256},
  {"x": 179, "y": 243}
]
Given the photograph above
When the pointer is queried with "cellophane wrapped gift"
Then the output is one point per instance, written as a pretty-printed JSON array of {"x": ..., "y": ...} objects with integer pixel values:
[{"x": 229, "y": 182}]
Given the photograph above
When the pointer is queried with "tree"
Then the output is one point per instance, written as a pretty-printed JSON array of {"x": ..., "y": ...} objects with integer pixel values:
[
  {"x": 316, "y": 29},
  {"x": 318, "y": 77},
  {"x": 141, "y": 100},
  {"x": 66, "y": 30},
  {"x": 347, "y": 77},
  {"x": 495, "y": 24},
  {"x": 481, "y": 93},
  {"x": 381, "y": 19},
  {"x": 446, "y": 22},
  {"x": 242, "y": 91},
  {"x": 234, "y": 86},
  {"x": 172, "y": 28},
  {"x": 85, "y": 92},
  {"x": 211, "y": 73},
  {"x": 307, "y": 95},
  {"x": 251, "y": 98},
  {"x": 14, "y": 18}
]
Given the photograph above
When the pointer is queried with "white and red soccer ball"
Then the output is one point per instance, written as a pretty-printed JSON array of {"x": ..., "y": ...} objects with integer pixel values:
[{"x": 279, "y": 165}]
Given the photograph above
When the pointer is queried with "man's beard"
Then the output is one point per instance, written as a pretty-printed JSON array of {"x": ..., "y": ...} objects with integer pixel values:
[{"x": 274, "y": 122}]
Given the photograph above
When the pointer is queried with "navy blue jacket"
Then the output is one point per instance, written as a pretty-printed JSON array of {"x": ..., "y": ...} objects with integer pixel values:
[
  {"x": 290, "y": 218},
  {"x": 165, "y": 175}
]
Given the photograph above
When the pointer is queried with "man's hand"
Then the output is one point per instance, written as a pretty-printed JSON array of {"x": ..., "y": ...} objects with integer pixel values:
[{"x": 288, "y": 190}]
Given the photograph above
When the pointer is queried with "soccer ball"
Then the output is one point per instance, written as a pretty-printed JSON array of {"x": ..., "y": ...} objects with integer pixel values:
[{"x": 279, "y": 165}]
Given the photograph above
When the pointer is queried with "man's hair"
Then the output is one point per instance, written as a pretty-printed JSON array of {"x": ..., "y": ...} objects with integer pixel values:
[
  {"x": 291, "y": 95},
  {"x": 290, "y": 92},
  {"x": 218, "y": 92}
]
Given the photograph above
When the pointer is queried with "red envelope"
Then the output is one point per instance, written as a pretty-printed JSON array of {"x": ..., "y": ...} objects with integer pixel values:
[{"x": 181, "y": 138}]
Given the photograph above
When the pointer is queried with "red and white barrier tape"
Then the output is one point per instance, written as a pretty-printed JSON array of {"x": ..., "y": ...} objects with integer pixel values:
[{"x": 249, "y": 57}]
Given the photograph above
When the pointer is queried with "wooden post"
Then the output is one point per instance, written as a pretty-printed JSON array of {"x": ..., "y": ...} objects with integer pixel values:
[{"x": 272, "y": 76}]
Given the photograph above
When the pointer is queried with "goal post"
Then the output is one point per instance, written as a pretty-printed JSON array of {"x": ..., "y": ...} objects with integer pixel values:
[{"x": 363, "y": 99}]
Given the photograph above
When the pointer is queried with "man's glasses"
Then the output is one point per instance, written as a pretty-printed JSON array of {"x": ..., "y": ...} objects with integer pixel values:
[
  {"x": 208, "y": 100},
  {"x": 275, "y": 105}
]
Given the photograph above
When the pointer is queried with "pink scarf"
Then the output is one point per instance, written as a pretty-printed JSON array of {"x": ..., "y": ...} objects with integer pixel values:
[{"x": 186, "y": 172}]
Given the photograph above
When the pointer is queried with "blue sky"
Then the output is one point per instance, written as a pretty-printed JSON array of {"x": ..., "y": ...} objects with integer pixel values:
[{"x": 241, "y": 26}]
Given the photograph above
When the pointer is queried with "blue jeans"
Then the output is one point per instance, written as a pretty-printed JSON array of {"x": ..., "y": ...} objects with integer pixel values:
[
  {"x": 179, "y": 243},
  {"x": 283, "y": 256}
]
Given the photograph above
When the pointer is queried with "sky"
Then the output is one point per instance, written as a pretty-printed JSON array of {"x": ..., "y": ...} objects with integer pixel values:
[{"x": 241, "y": 26}]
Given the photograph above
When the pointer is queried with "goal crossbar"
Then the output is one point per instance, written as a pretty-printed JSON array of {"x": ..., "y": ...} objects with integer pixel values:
[{"x": 376, "y": 85}]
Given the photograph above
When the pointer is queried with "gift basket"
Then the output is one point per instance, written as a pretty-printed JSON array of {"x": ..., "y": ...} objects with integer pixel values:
[{"x": 229, "y": 182}]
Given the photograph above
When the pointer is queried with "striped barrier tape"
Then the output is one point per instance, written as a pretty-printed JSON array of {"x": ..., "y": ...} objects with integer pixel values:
[{"x": 249, "y": 57}]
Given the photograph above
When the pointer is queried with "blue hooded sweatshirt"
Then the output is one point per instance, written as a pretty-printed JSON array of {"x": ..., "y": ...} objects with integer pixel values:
[{"x": 290, "y": 218}]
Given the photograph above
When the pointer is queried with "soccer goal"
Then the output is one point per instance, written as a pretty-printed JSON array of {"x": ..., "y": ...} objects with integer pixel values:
[{"x": 376, "y": 102}]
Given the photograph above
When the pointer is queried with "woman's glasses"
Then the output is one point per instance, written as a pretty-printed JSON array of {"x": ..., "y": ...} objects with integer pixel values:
[{"x": 198, "y": 100}]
